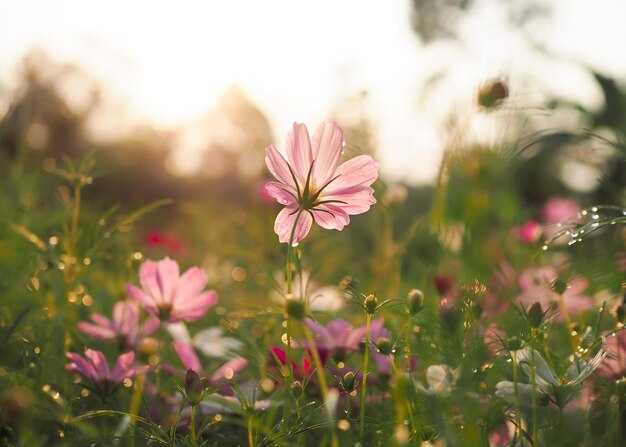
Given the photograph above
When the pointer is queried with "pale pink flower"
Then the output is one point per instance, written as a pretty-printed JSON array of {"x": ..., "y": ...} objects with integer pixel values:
[
  {"x": 124, "y": 328},
  {"x": 170, "y": 296},
  {"x": 614, "y": 364},
  {"x": 338, "y": 338},
  {"x": 94, "y": 366},
  {"x": 313, "y": 186},
  {"x": 537, "y": 286},
  {"x": 559, "y": 209}
]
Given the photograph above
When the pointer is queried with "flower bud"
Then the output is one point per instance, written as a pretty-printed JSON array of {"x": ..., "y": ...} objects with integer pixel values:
[
  {"x": 492, "y": 93},
  {"x": 348, "y": 381},
  {"x": 513, "y": 344},
  {"x": 560, "y": 286},
  {"x": 414, "y": 301},
  {"x": 193, "y": 387},
  {"x": 384, "y": 346},
  {"x": 295, "y": 309},
  {"x": 535, "y": 315},
  {"x": 370, "y": 303},
  {"x": 296, "y": 390}
]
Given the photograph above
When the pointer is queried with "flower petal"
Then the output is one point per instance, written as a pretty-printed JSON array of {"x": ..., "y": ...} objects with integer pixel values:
[
  {"x": 99, "y": 363},
  {"x": 193, "y": 309},
  {"x": 191, "y": 284},
  {"x": 284, "y": 194},
  {"x": 98, "y": 332},
  {"x": 188, "y": 356},
  {"x": 139, "y": 295},
  {"x": 148, "y": 280},
  {"x": 124, "y": 367},
  {"x": 355, "y": 200},
  {"x": 330, "y": 217},
  {"x": 278, "y": 166},
  {"x": 167, "y": 276},
  {"x": 327, "y": 147},
  {"x": 361, "y": 170},
  {"x": 285, "y": 221},
  {"x": 299, "y": 154}
]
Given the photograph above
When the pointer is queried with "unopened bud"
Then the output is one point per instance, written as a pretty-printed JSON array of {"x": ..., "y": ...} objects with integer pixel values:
[
  {"x": 492, "y": 94},
  {"x": 560, "y": 286},
  {"x": 348, "y": 381},
  {"x": 296, "y": 390},
  {"x": 384, "y": 346},
  {"x": 371, "y": 303},
  {"x": 295, "y": 309},
  {"x": 513, "y": 344},
  {"x": 193, "y": 387},
  {"x": 414, "y": 301},
  {"x": 535, "y": 315}
]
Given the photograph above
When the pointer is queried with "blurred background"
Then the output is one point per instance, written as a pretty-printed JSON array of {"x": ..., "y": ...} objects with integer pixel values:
[{"x": 179, "y": 100}]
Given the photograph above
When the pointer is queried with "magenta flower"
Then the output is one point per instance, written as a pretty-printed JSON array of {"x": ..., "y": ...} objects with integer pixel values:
[
  {"x": 559, "y": 209},
  {"x": 313, "y": 186},
  {"x": 125, "y": 327},
  {"x": 170, "y": 296},
  {"x": 338, "y": 338},
  {"x": 530, "y": 232},
  {"x": 94, "y": 367},
  {"x": 536, "y": 284}
]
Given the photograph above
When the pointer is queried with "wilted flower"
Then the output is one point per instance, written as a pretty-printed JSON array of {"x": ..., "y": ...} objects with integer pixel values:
[
  {"x": 94, "y": 367},
  {"x": 537, "y": 286},
  {"x": 170, "y": 296},
  {"x": 313, "y": 186},
  {"x": 124, "y": 328}
]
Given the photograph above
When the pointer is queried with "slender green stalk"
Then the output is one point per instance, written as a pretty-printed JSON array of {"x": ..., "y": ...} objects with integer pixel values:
[
  {"x": 518, "y": 419},
  {"x": 250, "y": 434},
  {"x": 534, "y": 391},
  {"x": 193, "y": 425},
  {"x": 568, "y": 323},
  {"x": 364, "y": 382},
  {"x": 319, "y": 370}
]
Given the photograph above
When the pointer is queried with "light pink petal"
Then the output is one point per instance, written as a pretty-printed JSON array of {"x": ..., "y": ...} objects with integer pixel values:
[
  {"x": 188, "y": 356},
  {"x": 194, "y": 308},
  {"x": 125, "y": 317},
  {"x": 284, "y": 194},
  {"x": 277, "y": 165},
  {"x": 355, "y": 337},
  {"x": 123, "y": 367},
  {"x": 167, "y": 278},
  {"x": 139, "y": 295},
  {"x": 285, "y": 221},
  {"x": 100, "y": 320},
  {"x": 148, "y": 279},
  {"x": 299, "y": 154},
  {"x": 355, "y": 200},
  {"x": 339, "y": 329},
  {"x": 99, "y": 332},
  {"x": 232, "y": 366},
  {"x": 150, "y": 325},
  {"x": 330, "y": 217},
  {"x": 191, "y": 284},
  {"x": 327, "y": 147},
  {"x": 576, "y": 286},
  {"x": 99, "y": 363},
  {"x": 361, "y": 170}
]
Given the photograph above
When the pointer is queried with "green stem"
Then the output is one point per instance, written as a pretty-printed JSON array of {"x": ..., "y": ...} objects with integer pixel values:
[
  {"x": 518, "y": 420},
  {"x": 250, "y": 435},
  {"x": 193, "y": 425},
  {"x": 319, "y": 370},
  {"x": 364, "y": 382},
  {"x": 534, "y": 391}
]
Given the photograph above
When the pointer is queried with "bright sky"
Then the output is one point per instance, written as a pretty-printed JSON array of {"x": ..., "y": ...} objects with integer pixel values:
[{"x": 170, "y": 61}]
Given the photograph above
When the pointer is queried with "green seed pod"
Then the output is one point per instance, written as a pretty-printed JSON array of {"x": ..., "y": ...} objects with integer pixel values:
[
  {"x": 296, "y": 390},
  {"x": 620, "y": 313},
  {"x": 414, "y": 302},
  {"x": 193, "y": 387},
  {"x": 348, "y": 382},
  {"x": 560, "y": 286},
  {"x": 513, "y": 344}
]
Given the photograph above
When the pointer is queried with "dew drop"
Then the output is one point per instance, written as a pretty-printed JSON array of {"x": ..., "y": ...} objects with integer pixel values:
[
  {"x": 294, "y": 245},
  {"x": 544, "y": 248}
]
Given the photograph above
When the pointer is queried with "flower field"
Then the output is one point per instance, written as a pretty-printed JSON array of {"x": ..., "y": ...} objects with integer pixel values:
[{"x": 321, "y": 306}]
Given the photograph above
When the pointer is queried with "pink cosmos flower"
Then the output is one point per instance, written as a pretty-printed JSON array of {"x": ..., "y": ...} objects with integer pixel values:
[
  {"x": 170, "y": 296},
  {"x": 125, "y": 327},
  {"x": 559, "y": 209},
  {"x": 94, "y": 366},
  {"x": 338, "y": 338},
  {"x": 313, "y": 186},
  {"x": 530, "y": 232},
  {"x": 614, "y": 364},
  {"x": 536, "y": 284}
]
